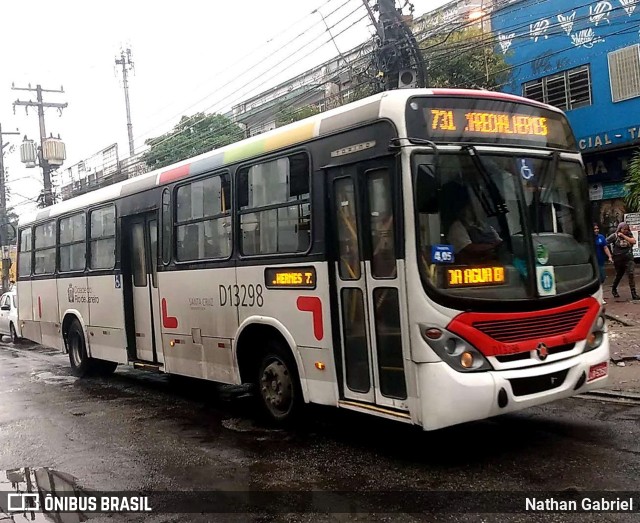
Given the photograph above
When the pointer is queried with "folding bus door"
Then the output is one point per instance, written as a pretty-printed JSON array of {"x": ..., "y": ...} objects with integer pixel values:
[
  {"x": 366, "y": 282},
  {"x": 142, "y": 234}
]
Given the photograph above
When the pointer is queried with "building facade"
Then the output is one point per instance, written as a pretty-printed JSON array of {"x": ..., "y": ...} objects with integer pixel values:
[
  {"x": 99, "y": 170},
  {"x": 583, "y": 57}
]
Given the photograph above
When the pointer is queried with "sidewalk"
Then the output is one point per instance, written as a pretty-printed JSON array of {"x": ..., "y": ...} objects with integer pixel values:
[{"x": 624, "y": 335}]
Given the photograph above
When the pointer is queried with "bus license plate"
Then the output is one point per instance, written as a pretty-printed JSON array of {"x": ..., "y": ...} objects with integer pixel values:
[{"x": 598, "y": 371}]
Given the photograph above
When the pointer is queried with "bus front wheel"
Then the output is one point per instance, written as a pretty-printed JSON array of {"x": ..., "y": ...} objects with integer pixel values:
[{"x": 278, "y": 384}]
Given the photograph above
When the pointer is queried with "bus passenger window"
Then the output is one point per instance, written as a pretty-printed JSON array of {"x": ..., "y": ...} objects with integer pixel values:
[
  {"x": 103, "y": 238},
  {"x": 203, "y": 219},
  {"x": 24, "y": 257},
  {"x": 275, "y": 212}
]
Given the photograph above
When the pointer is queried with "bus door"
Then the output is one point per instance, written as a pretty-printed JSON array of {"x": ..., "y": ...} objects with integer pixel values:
[
  {"x": 366, "y": 282},
  {"x": 141, "y": 287}
]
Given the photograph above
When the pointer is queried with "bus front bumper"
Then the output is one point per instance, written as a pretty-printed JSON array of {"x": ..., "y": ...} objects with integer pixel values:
[{"x": 449, "y": 397}]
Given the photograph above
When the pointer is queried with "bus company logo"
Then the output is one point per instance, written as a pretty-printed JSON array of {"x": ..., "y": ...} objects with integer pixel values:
[
  {"x": 542, "y": 351},
  {"x": 70, "y": 293},
  {"x": 23, "y": 501}
]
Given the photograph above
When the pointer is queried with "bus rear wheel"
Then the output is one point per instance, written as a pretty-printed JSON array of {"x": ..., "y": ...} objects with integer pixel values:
[
  {"x": 279, "y": 385},
  {"x": 81, "y": 364}
]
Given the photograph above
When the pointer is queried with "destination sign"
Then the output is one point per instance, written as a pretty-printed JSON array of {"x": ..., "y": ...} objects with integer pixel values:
[
  {"x": 290, "y": 278},
  {"x": 449, "y": 120},
  {"x": 485, "y": 120},
  {"x": 475, "y": 276}
]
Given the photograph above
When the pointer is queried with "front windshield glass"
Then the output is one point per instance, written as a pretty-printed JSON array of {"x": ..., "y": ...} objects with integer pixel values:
[{"x": 502, "y": 227}]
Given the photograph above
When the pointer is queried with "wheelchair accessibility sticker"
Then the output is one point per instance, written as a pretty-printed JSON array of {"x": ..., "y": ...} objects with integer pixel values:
[
  {"x": 546, "y": 279},
  {"x": 526, "y": 169}
]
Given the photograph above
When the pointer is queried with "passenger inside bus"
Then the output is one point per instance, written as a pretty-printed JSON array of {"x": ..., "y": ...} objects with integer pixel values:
[{"x": 473, "y": 239}]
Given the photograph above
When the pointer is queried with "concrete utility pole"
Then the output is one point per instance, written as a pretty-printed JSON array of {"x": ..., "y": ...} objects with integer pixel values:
[
  {"x": 127, "y": 64},
  {"x": 6, "y": 260},
  {"x": 46, "y": 168}
]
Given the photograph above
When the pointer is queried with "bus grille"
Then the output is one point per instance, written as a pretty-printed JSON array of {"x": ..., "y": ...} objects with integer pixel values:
[{"x": 511, "y": 331}]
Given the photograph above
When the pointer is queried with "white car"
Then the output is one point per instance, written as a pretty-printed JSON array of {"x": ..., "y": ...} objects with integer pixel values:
[{"x": 9, "y": 316}]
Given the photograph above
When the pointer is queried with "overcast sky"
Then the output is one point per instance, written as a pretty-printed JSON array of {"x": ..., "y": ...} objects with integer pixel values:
[{"x": 189, "y": 56}]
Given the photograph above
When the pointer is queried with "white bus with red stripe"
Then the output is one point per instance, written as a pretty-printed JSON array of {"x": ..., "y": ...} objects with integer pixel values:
[{"x": 420, "y": 255}]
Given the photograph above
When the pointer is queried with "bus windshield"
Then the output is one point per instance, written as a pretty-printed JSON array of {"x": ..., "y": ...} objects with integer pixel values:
[{"x": 499, "y": 227}]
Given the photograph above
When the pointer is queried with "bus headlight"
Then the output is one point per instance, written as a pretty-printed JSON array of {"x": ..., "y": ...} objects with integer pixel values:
[
  {"x": 454, "y": 351},
  {"x": 597, "y": 332}
]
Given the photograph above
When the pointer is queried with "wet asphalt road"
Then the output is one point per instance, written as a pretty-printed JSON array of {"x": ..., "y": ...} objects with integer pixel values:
[{"x": 146, "y": 432}]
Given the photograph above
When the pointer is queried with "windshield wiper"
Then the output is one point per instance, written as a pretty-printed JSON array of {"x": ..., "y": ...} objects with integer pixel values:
[{"x": 497, "y": 205}]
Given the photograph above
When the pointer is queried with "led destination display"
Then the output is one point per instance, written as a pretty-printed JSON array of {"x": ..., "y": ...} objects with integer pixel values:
[
  {"x": 290, "y": 278},
  {"x": 485, "y": 120},
  {"x": 475, "y": 276}
]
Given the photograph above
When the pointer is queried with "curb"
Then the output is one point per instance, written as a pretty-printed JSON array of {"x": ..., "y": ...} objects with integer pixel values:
[
  {"x": 619, "y": 319},
  {"x": 633, "y": 396}
]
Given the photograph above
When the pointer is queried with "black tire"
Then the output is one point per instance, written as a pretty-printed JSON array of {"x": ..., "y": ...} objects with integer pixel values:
[
  {"x": 81, "y": 364},
  {"x": 14, "y": 335},
  {"x": 278, "y": 385},
  {"x": 78, "y": 358}
]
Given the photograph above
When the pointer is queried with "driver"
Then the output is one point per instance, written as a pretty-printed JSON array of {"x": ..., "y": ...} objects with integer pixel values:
[{"x": 473, "y": 239}]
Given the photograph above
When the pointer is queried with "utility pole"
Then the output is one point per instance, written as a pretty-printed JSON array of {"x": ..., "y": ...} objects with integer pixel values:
[
  {"x": 398, "y": 57},
  {"x": 6, "y": 260},
  {"x": 46, "y": 168},
  {"x": 127, "y": 65}
]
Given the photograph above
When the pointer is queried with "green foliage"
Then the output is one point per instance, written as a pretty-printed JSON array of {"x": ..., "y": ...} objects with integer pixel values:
[
  {"x": 464, "y": 59},
  {"x": 287, "y": 115},
  {"x": 632, "y": 185},
  {"x": 192, "y": 135},
  {"x": 9, "y": 222}
]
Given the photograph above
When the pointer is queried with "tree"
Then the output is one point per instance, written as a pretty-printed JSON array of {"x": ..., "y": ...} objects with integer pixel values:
[
  {"x": 191, "y": 136},
  {"x": 632, "y": 185},
  {"x": 464, "y": 59},
  {"x": 10, "y": 224}
]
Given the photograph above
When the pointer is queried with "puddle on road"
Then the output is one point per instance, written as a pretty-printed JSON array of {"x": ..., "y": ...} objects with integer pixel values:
[
  {"x": 52, "y": 379},
  {"x": 247, "y": 425},
  {"x": 37, "y": 484}
]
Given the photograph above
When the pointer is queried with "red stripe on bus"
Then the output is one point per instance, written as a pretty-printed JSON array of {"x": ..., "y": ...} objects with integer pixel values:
[
  {"x": 174, "y": 174},
  {"x": 564, "y": 327},
  {"x": 39, "y": 307},
  {"x": 168, "y": 322},
  {"x": 313, "y": 305}
]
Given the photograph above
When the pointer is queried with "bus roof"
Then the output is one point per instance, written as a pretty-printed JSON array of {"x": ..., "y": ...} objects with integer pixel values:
[{"x": 358, "y": 112}]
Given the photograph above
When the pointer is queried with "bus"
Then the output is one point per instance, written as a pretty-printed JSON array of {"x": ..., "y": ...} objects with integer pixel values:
[{"x": 422, "y": 255}]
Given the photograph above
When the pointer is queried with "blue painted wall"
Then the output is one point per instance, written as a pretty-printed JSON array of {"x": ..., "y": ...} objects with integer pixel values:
[{"x": 540, "y": 37}]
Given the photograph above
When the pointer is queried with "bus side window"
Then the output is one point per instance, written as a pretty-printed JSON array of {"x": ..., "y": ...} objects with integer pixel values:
[{"x": 166, "y": 226}]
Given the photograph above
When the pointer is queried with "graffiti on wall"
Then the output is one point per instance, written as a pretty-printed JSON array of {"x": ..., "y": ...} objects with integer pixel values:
[{"x": 591, "y": 15}]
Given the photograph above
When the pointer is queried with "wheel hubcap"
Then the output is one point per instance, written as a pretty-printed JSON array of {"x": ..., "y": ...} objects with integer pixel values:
[{"x": 276, "y": 387}]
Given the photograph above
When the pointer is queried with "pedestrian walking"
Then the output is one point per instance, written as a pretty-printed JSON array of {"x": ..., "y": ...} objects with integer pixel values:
[
  {"x": 623, "y": 242},
  {"x": 602, "y": 251}
]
